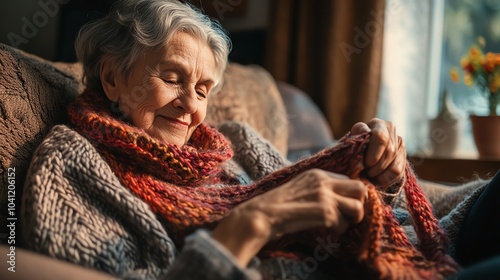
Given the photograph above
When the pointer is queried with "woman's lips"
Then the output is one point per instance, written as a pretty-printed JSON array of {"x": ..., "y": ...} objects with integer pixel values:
[{"x": 175, "y": 121}]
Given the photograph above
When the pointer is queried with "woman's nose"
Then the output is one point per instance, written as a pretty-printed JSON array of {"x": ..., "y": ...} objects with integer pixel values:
[{"x": 187, "y": 102}]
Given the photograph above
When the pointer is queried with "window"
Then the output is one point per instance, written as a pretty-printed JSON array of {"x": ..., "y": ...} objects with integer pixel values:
[
  {"x": 464, "y": 21},
  {"x": 422, "y": 41},
  {"x": 405, "y": 75}
]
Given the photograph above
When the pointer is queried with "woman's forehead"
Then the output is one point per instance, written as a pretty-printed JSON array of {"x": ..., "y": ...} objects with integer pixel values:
[{"x": 183, "y": 53}]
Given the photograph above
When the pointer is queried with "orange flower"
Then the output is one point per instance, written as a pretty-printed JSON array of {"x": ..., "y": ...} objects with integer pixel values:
[
  {"x": 493, "y": 59},
  {"x": 468, "y": 81},
  {"x": 455, "y": 77},
  {"x": 464, "y": 61},
  {"x": 475, "y": 58},
  {"x": 466, "y": 65},
  {"x": 482, "y": 70},
  {"x": 474, "y": 53},
  {"x": 489, "y": 62}
]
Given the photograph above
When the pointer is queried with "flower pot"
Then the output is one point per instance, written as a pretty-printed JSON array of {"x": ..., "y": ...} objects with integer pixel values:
[
  {"x": 486, "y": 131},
  {"x": 445, "y": 129}
]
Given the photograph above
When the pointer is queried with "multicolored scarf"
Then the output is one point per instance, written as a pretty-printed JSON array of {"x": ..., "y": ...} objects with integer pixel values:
[{"x": 186, "y": 188}]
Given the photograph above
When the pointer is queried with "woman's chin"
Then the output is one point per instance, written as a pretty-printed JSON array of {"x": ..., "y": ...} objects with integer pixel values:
[{"x": 169, "y": 138}]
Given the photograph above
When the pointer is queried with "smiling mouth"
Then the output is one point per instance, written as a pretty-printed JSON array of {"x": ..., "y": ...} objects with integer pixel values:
[{"x": 175, "y": 121}]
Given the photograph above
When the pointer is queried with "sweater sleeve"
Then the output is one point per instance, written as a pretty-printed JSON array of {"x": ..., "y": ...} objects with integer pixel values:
[
  {"x": 212, "y": 261},
  {"x": 257, "y": 156}
]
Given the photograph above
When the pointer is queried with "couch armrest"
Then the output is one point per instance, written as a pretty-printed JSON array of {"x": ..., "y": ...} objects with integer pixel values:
[{"x": 30, "y": 265}]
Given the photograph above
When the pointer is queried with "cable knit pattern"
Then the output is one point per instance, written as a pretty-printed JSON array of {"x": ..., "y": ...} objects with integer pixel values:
[
  {"x": 76, "y": 209},
  {"x": 96, "y": 208},
  {"x": 257, "y": 156}
]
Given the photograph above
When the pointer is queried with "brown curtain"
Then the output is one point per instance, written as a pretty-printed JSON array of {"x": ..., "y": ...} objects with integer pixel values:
[{"x": 332, "y": 50}]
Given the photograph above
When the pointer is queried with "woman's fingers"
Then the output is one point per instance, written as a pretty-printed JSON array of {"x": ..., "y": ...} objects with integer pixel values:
[
  {"x": 337, "y": 215},
  {"x": 395, "y": 171},
  {"x": 380, "y": 142},
  {"x": 316, "y": 198},
  {"x": 359, "y": 128},
  {"x": 305, "y": 215},
  {"x": 382, "y": 152},
  {"x": 317, "y": 183},
  {"x": 352, "y": 209},
  {"x": 312, "y": 199},
  {"x": 351, "y": 188},
  {"x": 385, "y": 158}
]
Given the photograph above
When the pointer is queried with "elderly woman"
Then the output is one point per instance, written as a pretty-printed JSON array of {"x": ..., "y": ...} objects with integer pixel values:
[{"x": 139, "y": 187}]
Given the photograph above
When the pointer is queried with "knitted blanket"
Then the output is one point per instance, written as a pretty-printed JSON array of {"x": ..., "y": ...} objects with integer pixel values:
[{"x": 114, "y": 214}]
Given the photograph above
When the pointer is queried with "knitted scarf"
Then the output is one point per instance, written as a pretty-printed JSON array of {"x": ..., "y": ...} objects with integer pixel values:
[{"x": 186, "y": 188}]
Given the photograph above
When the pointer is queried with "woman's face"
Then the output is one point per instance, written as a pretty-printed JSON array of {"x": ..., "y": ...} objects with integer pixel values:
[{"x": 166, "y": 93}]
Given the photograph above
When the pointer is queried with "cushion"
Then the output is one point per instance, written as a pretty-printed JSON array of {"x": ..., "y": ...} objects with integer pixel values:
[
  {"x": 249, "y": 94},
  {"x": 33, "y": 97}
]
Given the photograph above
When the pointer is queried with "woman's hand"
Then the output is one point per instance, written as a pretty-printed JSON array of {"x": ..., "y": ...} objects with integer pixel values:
[
  {"x": 385, "y": 159},
  {"x": 313, "y": 198}
]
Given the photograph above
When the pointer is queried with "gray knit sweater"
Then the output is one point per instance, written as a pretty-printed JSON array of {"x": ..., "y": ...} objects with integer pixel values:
[{"x": 75, "y": 209}]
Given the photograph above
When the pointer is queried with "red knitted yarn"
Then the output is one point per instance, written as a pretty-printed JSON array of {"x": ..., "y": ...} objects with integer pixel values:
[{"x": 184, "y": 187}]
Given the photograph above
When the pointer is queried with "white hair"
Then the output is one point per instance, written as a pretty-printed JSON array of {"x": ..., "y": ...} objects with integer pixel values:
[{"x": 136, "y": 26}]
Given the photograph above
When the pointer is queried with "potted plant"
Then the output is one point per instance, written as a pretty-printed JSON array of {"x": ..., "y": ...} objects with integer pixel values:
[{"x": 483, "y": 72}]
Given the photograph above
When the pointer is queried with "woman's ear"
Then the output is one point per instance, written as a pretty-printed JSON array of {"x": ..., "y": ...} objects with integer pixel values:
[{"x": 108, "y": 76}]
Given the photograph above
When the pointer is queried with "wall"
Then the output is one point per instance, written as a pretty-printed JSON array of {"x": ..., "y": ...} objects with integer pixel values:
[
  {"x": 31, "y": 25},
  {"x": 247, "y": 28},
  {"x": 256, "y": 17}
]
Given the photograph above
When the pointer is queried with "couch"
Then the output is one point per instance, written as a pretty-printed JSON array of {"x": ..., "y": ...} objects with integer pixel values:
[{"x": 34, "y": 93}]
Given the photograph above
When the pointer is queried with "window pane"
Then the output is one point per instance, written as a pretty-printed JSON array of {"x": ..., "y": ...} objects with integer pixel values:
[
  {"x": 423, "y": 39},
  {"x": 403, "y": 98},
  {"x": 464, "y": 21}
]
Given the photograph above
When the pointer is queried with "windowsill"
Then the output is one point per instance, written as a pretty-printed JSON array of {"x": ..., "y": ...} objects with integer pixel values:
[{"x": 463, "y": 168}]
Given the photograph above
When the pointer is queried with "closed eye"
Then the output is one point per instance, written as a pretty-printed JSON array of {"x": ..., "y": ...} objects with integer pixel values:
[
  {"x": 170, "y": 81},
  {"x": 201, "y": 94}
]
